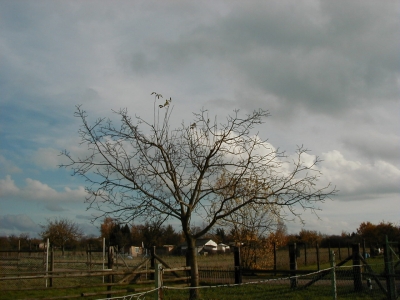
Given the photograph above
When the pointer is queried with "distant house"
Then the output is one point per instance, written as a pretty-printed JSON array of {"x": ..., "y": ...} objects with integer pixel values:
[
  {"x": 202, "y": 246},
  {"x": 135, "y": 251},
  {"x": 168, "y": 249}
]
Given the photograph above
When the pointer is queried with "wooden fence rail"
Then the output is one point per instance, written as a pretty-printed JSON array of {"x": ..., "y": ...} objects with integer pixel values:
[
  {"x": 73, "y": 274},
  {"x": 108, "y": 285}
]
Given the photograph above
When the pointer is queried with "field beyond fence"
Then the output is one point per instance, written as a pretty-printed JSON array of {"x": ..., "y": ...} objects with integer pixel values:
[{"x": 87, "y": 275}]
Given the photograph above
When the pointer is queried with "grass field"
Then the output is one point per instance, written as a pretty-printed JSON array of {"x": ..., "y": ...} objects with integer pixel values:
[
  {"x": 266, "y": 292},
  {"x": 223, "y": 293}
]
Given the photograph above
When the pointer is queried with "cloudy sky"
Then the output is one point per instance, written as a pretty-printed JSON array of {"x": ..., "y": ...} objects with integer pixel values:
[{"x": 328, "y": 72}]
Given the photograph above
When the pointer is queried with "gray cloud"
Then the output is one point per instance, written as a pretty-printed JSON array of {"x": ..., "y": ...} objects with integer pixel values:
[
  {"x": 19, "y": 222},
  {"x": 54, "y": 207},
  {"x": 375, "y": 145},
  {"x": 328, "y": 71},
  {"x": 84, "y": 217},
  {"x": 326, "y": 59}
]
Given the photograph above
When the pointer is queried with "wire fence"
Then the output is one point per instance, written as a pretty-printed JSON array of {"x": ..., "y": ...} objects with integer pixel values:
[
  {"x": 24, "y": 266},
  {"x": 13, "y": 263},
  {"x": 368, "y": 280},
  {"x": 16, "y": 261},
  {"x": 331, "y": 283}
]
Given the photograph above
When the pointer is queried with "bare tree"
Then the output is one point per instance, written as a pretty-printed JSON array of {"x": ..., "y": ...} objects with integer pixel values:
[
  {"x": 148, "y": 169},
  {"x": 60, "y": 232}
]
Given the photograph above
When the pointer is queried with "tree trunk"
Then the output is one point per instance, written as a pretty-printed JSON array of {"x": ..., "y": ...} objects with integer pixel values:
[{"x": 194, "y": 270}]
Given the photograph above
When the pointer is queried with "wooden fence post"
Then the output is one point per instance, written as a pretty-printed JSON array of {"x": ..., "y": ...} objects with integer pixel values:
[
  {"x": 47, "y": 258},
  {"x": 104, "y": 255},
  {"x": 317, "y": 251},
  {"x": 333, "y": 272},
  {"x": 51, "y": 266},
  {"x": 110, "y": 266},
  {"x": 89, "y": 257},
  {"x": 274, "y": 259},
  {"x": 293, "y": 265},
  {"x": 238, "y": 267},
  {"x": 116, "y": 250},
  {"x": 357, "y": 268},
  {"x": 389, "y": 271},
  {"x": 158, "y": 282},
  {"x": 152, "y": 261}
]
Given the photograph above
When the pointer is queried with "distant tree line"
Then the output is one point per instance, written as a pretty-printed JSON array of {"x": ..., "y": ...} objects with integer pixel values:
[
  {"x": 21, "y": 242},
  {"x": 372, "y": 234},
  {"x": 154, "y": 233}
]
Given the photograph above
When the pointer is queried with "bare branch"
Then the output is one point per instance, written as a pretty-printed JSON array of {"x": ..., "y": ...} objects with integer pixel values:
[{"x": 220, "y": 172}]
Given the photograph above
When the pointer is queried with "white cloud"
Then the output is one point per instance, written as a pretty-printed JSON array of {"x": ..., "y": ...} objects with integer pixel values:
[
  {"x": 8, "y": 166},
  {"x": 48, "y": 158},
  {"x": 38, "y": 191},
  {"x": 8, "y": 187},
  {"x": 358, "y": 179}
]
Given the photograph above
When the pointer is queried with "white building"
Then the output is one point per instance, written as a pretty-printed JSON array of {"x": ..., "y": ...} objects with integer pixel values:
[{"x": 202, "y": 246}]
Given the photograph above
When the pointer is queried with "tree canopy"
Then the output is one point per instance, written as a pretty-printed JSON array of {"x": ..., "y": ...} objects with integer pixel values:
[
  {"x": 375, "y": 234},
  {"x": 60, "y": 232}
]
